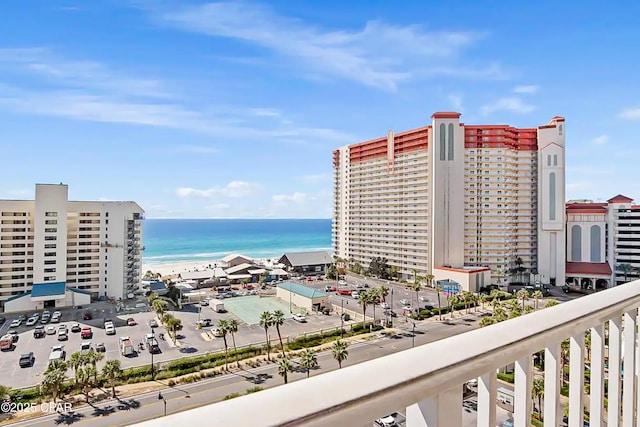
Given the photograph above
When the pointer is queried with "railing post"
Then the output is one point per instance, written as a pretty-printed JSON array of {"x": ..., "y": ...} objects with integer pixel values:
[
  {"x": 443, "y": 410},
  {"x": 552, "y": 381},
  {"x": 615, "y": 326},
  {"x": 487, "y": 400},
  {"x": 576, "y": 380},
  {"x": 596, "y": 385},
  {"x": 629, "y": 376},
  {"x": 522, "y": 392}
]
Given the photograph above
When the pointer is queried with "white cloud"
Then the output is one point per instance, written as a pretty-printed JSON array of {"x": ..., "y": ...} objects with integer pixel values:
[
  {"x": 265, "y": 112},
  {"x": 530, "y": 89},
  {"x": 233, "y": 190},
  {"x": 508, "y": 104},
  {"x": 378, "y": 55},
  {"x": 312, "y": 179},
  {"x": 600, "y": 140},
  {"x": 197, "y": 149},
  {"x": 456, "y": 101},
  {"x": 630, "y": 114},
  {"x": 295, "y": 197}
]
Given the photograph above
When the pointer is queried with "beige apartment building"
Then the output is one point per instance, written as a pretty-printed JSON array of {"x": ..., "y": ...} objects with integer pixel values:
[
  {"x": 55, "y": 252},
  {"x": 454, "y": 197}
]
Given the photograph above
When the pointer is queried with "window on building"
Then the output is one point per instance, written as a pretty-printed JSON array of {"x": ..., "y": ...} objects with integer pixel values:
[
  {"x": 51, "y": 214},
  {"x": 443, "y": 142},
  {"x": 549, "y": 160},
  {"x": 576, "y": 243},
  {"x": 552, "y": 196},
  {"x": 450, "y": 142},
  {"x": 596, "y": 243},
  {"x": 555, "y": 160}
]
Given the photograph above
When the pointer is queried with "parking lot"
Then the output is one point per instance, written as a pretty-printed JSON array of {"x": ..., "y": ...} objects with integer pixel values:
[{"x": 196, "y": 341}]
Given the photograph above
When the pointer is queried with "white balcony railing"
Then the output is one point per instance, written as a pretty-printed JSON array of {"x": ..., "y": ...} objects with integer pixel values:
[{"x": 428, "y": 380}]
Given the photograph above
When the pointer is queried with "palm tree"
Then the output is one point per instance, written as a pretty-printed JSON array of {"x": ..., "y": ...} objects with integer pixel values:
[
  {"x": 486, "y": 321},
  {"x": 266, "y": 320},
  {"x": 383, "y": 292},
  {"x": 416, "y": 288},
  {"x": 160, "y": 307},
  {"x": 277, "y": 319},
  {"x": 85, "y": 377},
  {"x": 484, "y": 298},
  {"x": 551, "y": 303},
  {"x": 394, "y": 272},
  {"x": 364, "y": 299},
  {"x": 77, "y": 361},
  {"x": 173, "y": 326},
  {"x": 537, "y": 296},
  {"x": 112, "y": 370},
  {"x": 340, "y": 353},
  {"x": 429, "y": 278},
  {"x": 53, "y": 379},
  {"x": 223, "y": 327},
  {"x": 564, "y": 355},
  {"x": 453, "y": 300},
  {"x": 438, "y": 291},
  {"x": 537, "y": 391},
  {"x": 4, "y": 392},
  {"x": 92, "y": 358},
  {"x": 308, "y": 360},
  {"x": 523, "y": 295},
  {"x": 232, "y": 324},
  {"x": 284, "y": 367},
  {"x": 626, "y": 269},
  {"x": 587, "y": 344}
]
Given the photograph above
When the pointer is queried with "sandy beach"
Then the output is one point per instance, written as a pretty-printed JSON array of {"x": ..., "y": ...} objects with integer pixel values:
[{"x": 178, "y": 267}]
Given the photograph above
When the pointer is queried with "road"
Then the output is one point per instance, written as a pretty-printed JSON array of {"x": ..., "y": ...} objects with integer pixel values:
[{"x": 188, "y": 396}]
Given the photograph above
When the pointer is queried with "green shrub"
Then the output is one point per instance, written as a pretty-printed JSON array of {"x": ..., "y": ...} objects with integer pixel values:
[
  {"x": 231, "y": 396},
  {"x": 254, "y": 389},
  {"x": 536, "y": 423},
  {"x": 510, "y": 378},
  {"x": 564, "y": 390}
]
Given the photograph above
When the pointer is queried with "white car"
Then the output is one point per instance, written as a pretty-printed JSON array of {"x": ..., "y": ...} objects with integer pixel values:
[
  {"x": 31, "y": 321},
  {"x": 384, "y": 305},
  {"x": 55, "y": 317},
  {"x": 407, "y": 308},
  {"x": 342, "y": 282},
  {"x": 16, "y": 323},
  {"x": 404, "y": 302},
  {"x": 355, "y": 294},
  {"x": 387, "y": 421},
  {"x": 109, "y": 329},
  {"x": 299, "y": 318},
  {"x": 424, "y": 299},
  {"x": 51, "y": 330}
]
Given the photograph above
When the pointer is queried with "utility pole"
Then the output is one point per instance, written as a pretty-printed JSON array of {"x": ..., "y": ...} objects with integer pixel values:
[
  {"x": 341, "y": 317},
  {"x": 413, "y": 336}
]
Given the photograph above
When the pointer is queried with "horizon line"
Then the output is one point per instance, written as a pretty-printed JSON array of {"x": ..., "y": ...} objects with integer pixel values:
[{"x": 256, "y": 219}]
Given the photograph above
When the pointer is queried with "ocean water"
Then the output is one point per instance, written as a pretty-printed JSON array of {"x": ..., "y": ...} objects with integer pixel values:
[{"x": 178, "y": 240}]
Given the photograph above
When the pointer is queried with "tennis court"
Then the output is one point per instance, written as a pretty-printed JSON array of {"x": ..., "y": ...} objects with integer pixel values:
[{"x": 249, "y": 308}]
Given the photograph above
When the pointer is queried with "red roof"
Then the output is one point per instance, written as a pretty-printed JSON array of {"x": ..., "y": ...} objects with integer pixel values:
[
  {"x": 582, "y": 268},
  {"x": 620, "y": 199},
  {"x": 587, "y": 207},
  {"x": 446, "y": 115}
]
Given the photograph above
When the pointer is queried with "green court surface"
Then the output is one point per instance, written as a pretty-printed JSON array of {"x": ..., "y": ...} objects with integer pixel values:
[{"x": 249, "y": 308}]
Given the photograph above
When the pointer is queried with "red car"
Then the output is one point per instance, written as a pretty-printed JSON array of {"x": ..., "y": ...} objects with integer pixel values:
[
  {"x": 344, "y": 292},
  {"x": 86, "y": 332}
]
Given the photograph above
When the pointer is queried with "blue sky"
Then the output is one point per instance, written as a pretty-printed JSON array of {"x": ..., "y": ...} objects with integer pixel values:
[{"x": 232, "y": 109}]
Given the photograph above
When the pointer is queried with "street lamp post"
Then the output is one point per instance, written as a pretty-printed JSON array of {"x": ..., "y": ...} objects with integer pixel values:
[
  {"x": 341, "y": 317},
  {"x": 161, "y": 397},
  {"x": 413, "y": 336},
  {"x": 153, "y": 334}
]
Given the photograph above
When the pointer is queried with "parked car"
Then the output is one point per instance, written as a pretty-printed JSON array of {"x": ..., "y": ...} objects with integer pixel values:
[
  {"x": 55, "y": 317},
  {"x": 299, "y": 318},
  {"x": 26, "y": 360},
  {"x": 570, "y": 288},
  {"x": 51, "y": 330},
  {"x": 31, "y": 321},
  {"x": 216, "y": 332},
  {"x": 109, "y": 329},
  {"x": 63, "y": 335},
  {"x": 355, "y": 294},
  {"x": 100, "y": 348},
  {"x": 45, "y": 317},
  {"x": 75, "y": 327},
  {"x": 22, "y": 317},
  {"x": 86, "y": 333},
  {"x": 387, "y": 421},
  {"x": 38, "y": 332},
  {"x": 330, "y": 288},
  {"x": 384, "y": 306},
  {"x": 342, "y": 283},
  {"x": 390, "y": 313},
  {"x": 131, "y": 321},
  {"x": 153, "y": 323},
  {"x": 87, "y": 315},
  {"x": 423, "y": 299},
  {"x": 404, "y": 302},
  {"x": 15, "y": 323},
  {"x": 205, "y": 322},
  {"x": 86, "y": 347}
]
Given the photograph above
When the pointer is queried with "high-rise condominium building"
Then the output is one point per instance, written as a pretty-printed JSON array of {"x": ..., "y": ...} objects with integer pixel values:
[
  {"x": 455, "y": 198},
  {"x": 55, "y": 252}
]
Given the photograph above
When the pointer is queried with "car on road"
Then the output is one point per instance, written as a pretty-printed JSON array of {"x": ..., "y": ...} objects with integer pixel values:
[
  {"x": 330, "y": 288},
  {"x": 342, "y": 283},
  {"x": 204, "y": 322},
  {"x": 571, "y": 288},
  {"x": 407, "y": 308},
  {"x": 63, "y": 335},
  {"x": 51, "y": 330},
  {"x": 387, "y": 421},
  {"x": 355, "y": 294},
  {"x": 204, "y": 303},
  {"x": 345, "y": 291},
  {"x": 390, "y": 313},
  {"x": 26, "y": 360},
  {"x": 86, "y": 347},
  {"x": 153, "y": 323},
  {"x": 404, "y": 302},
  {"x": 31, "y": 321},
  {"x": 75, "y": 327},
  {"x": 86, "y": 332},
  {"x": 299, "y": 318},
  {"x": 100, "y": 348},
  {"x": 14, "y": 334},
  {"x": 384, "y": 306},
  {"x": 217, "y": 332},
  {"x": 38, "y": 332},
  {"x": 131, "y": 321},
  {"x": 423, "y": 299},
  {"x": 15, "y": 323},
  {"x": 87, "y": 315}
]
